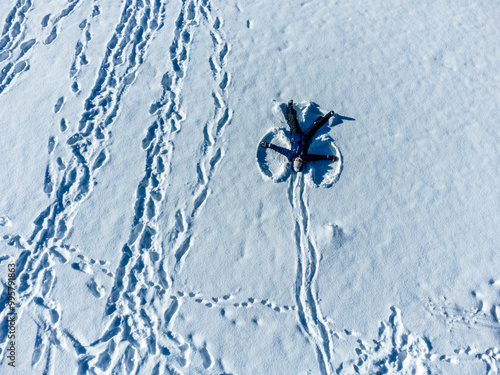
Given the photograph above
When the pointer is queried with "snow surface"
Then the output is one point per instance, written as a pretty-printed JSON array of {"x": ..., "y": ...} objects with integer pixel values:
[{"x": 152, "y": 235}]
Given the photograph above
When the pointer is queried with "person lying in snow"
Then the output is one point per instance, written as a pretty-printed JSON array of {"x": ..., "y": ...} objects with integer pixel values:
[{"x": 300, "y": 141}]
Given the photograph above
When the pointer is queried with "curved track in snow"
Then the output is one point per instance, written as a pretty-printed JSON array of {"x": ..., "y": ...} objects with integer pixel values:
[{"x": 309, "y": 314}]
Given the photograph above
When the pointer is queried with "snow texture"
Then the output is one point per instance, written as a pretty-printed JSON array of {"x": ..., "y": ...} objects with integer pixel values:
[{"x": 152, "y": 235}]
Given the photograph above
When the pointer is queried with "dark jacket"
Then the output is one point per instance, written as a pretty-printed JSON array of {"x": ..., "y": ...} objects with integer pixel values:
[{"x": 300, "y": 145}]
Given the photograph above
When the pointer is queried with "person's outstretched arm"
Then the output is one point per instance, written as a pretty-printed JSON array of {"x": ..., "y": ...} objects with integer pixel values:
[
  {"x": 314, "y": 157},
  {"x": 283, "y": 151}
]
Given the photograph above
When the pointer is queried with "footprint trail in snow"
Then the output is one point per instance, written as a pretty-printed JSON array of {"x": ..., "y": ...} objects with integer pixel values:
[
  {"x": 147, "y": 268},
  {"x": 72, "y": 182}
]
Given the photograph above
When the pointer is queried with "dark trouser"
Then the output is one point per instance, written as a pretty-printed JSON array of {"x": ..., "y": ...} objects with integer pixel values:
[
  {"x": 291, "y": 118},
  {"x": 318, "y": 123}
]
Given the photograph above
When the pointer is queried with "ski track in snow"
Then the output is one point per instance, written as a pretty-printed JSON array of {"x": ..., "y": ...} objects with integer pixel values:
[{"x": 312, "y": 322}]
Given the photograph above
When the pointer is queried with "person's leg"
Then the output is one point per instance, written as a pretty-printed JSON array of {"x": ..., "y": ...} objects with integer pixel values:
[
  {"x": 291, "y": 119},
  {"x": 318, "y": 123}
]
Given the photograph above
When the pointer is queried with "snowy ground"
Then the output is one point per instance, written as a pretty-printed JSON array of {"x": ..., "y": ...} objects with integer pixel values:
[{"x": 151, "y": 235}]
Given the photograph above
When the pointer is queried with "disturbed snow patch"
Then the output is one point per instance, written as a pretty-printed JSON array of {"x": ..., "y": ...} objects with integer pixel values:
[{"x": 5, "y": 221}]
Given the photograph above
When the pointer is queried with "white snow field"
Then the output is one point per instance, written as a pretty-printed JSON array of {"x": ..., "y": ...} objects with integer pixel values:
[{"x": 144, "y": 231}]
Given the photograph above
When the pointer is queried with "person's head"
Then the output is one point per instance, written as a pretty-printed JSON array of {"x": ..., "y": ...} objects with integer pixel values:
[{"x": 297, "y": 164}]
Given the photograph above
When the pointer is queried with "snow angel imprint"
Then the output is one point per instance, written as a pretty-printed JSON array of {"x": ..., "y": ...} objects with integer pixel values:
[{"x": 295, "y": 145}]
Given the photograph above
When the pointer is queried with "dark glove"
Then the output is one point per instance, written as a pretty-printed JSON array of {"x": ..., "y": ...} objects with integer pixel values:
[
  {"x": 332, "y": 157},
  {"x": 264, "y": 144}
]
